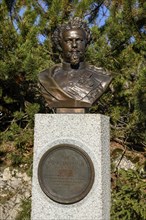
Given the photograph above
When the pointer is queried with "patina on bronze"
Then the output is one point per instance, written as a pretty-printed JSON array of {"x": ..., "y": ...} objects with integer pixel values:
[
  {"x": 74, "y": 83},
  {"x": 66, "y": 173}
]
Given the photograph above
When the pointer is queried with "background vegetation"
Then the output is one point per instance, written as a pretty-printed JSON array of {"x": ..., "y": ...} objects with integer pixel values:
[{"x": 119, "y": 44}]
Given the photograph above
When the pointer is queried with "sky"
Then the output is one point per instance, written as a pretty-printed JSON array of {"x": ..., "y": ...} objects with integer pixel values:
[{"x": 100, "y": 21}]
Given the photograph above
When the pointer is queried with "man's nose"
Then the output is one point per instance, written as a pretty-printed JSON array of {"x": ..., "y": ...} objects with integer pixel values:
[{"x": 74, "y": 43}]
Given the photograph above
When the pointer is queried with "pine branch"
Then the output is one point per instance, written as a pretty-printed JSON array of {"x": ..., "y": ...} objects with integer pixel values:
[
  {"x": 93, "y": 12},
  {"x": 10, "y": 4}
]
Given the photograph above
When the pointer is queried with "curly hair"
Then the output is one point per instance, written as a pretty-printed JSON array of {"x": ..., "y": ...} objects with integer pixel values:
[{"x": 75, "y": 23}]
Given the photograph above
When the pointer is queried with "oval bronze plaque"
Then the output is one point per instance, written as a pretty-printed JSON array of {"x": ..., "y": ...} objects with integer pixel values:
[{"x": 66, "y": 173}]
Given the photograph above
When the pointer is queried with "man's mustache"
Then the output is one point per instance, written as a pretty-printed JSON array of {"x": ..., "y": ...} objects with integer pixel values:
[
  {"x": 74, "y": 50},
  {"x": 78, "y": 52}
]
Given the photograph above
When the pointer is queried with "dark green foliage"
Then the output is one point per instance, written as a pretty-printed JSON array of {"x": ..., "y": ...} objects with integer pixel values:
[
  {"x": 129, "y": 196},
  {"x": 26, "y": 210},
  {"x": 10, "y": 4},
  {"x": 118, "y": 45}
]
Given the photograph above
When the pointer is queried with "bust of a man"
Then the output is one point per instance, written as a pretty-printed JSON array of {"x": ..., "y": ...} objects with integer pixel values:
[{"x": 74, "y": 83}]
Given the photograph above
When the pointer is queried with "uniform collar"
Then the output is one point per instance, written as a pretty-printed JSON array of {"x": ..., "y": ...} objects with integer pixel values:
[{"x": 67, "y": 66}]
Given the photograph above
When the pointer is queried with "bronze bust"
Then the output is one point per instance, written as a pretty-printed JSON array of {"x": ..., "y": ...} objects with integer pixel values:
[{"x": 73, "y": 84}]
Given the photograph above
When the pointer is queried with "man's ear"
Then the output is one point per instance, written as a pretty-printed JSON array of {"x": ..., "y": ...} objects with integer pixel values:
[{"x": 59, "y": 48}]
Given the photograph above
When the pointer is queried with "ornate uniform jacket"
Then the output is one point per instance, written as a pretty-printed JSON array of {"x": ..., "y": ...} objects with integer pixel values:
[{"x": 78, "y": 88}]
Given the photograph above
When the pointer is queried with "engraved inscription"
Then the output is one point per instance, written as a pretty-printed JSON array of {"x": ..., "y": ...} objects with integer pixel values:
[{"x": 66, "y": 173}]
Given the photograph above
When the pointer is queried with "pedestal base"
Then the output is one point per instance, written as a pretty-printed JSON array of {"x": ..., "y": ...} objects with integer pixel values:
[{"x": 89, "y": 132}]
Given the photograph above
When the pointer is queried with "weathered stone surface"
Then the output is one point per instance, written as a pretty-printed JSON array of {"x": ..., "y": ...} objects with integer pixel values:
[
  {"x": 7, "y": 174},
  {"x": 15, "y": 187},
  {"x": 124, "y": 163},
  {"x": 89, "y": 132}
]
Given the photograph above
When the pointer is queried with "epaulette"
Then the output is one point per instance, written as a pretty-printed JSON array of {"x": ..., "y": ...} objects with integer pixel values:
[{"x": 99, "y": 70}]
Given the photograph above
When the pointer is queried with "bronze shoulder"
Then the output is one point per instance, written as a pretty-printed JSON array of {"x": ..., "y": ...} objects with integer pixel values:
[
  {"x": 99, "y": 70},
  {"x": 101, "y": 75},
  {"x": 48, "y": 72}
]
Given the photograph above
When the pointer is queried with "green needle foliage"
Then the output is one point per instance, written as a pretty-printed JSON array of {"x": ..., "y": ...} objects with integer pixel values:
[
  {"x": 119, "y": 45},
  {"x": 129, "y": 196}
]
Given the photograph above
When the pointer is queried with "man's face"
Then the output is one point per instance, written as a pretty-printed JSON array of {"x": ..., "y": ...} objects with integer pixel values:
[{"x": 73, "y": 46}]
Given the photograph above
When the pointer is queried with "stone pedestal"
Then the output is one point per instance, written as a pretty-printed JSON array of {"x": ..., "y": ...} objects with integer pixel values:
[{"x": 90, "y": 132}]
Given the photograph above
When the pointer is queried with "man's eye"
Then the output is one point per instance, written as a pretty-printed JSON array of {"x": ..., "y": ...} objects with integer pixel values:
[
  {"x": 79, "y": 40},
  {"x": 68, "y": 40}
]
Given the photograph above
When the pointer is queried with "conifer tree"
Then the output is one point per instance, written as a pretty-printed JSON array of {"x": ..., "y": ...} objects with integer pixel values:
[{"x": 119, "y": 45}]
